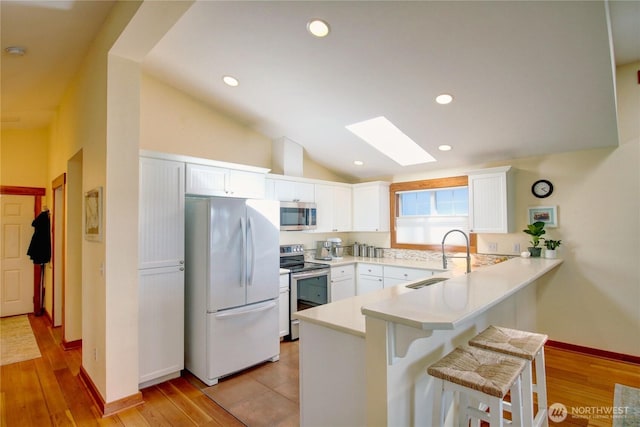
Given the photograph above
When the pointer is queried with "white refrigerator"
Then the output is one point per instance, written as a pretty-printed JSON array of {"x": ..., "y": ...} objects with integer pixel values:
[{"x": 232, "y": 285}]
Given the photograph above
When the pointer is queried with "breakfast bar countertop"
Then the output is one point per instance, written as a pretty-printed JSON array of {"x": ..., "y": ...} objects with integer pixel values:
[{"x": 442, "y": 305}]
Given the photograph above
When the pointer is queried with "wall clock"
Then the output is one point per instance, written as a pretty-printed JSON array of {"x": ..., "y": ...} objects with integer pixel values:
[{"x": 542, "y": 188}]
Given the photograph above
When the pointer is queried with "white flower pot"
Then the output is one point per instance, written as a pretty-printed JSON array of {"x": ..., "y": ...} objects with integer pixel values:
[{"x": 551, "y": 253}]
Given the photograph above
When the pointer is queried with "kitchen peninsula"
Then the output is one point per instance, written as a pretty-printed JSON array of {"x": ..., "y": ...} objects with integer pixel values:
[{"x": 363, "y": 359}]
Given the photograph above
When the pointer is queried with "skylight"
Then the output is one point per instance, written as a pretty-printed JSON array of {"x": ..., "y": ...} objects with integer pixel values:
[{"x": 385, "y": 137}]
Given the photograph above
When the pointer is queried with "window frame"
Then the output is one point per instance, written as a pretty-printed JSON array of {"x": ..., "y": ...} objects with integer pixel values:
[{"x": 425, "y": 184}]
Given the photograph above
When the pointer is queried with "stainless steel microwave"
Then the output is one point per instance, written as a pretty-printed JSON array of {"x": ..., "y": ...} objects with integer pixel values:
[{"x": 298, "y": 216}]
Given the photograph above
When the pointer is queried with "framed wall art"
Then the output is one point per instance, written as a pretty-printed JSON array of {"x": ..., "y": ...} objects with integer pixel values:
[
  {"x": 546, "y": 214},
  {"x": 93, "y": 214}
]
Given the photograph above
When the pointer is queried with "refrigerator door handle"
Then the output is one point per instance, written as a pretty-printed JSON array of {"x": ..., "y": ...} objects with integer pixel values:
[
  {"x": 243, "y": 234},
  {"x": 252, "y": 260},
  {"x": 241, "y": 312}
]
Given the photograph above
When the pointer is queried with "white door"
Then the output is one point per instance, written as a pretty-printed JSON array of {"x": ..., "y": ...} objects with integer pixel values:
[{"x": 16, "y": 289}]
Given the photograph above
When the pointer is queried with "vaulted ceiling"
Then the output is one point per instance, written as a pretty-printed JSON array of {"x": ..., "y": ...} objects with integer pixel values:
[{"x": 528, "y": 78}]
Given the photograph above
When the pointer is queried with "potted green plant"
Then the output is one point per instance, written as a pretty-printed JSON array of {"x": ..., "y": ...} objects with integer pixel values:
[
  {"x": 551, "y": 246},
  {"x": 535, "y": 230}
]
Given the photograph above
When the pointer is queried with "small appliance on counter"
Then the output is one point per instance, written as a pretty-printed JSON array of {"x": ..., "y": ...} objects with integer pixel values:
[
  {"x": 337, "y": 250},
  {"x": 323, "y": 250}
]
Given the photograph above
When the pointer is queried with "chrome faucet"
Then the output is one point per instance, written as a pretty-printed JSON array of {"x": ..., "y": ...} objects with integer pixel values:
[{"x": 444, "y": 257}]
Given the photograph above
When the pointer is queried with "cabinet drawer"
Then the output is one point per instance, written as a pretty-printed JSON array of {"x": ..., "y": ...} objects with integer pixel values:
[
  {"x": 370, "y": 269},
  {"x": 403, "y": 273},
  {"x": 341, "y": 272}
]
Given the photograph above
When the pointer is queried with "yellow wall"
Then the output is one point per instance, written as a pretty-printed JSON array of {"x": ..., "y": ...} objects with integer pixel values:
[
  {"x": 24, "y": 158},
  {"x": 81, "y": 127},
  {"x": 173, "y": 122}
]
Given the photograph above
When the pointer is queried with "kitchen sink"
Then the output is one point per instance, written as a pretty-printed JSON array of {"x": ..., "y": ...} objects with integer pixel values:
[{"x": 427, "y": 282}]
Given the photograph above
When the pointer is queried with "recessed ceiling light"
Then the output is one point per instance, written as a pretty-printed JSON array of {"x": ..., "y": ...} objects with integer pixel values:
[
  {"x": 444, "y": 147},
  {"x": 358, "y": 162},
  {"x": 318, "y": 28},
  {"x": 385, "y": 137},
  {"x": 15, "y": 50},
  {"x": 230, "y": 81},
  {"x": 444, "y": 99}
]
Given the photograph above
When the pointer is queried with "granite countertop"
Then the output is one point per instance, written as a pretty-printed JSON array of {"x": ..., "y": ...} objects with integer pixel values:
[{"x": 442, "y": 305}]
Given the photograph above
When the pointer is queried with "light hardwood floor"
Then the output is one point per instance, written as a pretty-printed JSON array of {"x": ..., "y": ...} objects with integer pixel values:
[{"x": 47, "y": 391}]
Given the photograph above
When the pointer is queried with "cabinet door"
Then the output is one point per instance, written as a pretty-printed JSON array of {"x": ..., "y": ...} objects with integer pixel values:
[
  {"x": 342, "y": 288},
  {"x": 292, "y": 191},
  {"x": 371, "y": 207},
  {"x": 249, "y": 185},
  {"x": 368, "y": 284},
  {"x": 334, "y": 207},
  {"x": 406, "y": 274},
  {"x": 160, "y": 322},
  {"x": 325, "y": 206},
  {"x": 490, "y": 202},
  {"x": 206, "y": 180},
  {"x": 342, "y": 211},
  {"x": 161, "y": 213},
  {"x": 343, "y": 284},
  {"x": 283, "y": 311},
  {"x": 390, "y": 281}
]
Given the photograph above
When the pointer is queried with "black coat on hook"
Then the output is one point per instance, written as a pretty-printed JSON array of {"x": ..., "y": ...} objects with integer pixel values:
[{"x": 40, "y": 247}]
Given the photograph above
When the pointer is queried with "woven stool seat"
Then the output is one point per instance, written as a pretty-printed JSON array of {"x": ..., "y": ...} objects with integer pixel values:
[
  {"x": 487, "y": 372},
  {"x": 510, "y": 341},
  {"x": 529, "y": 347}
]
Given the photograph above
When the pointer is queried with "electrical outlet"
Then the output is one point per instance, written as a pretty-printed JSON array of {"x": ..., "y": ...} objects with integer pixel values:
[
  {"x": 516, "y": 248},
  {"x": 493, "y": 247},
  {"x": 95, "y": 354}
]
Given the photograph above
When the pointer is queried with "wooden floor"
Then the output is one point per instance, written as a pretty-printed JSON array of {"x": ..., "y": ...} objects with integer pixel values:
[{"x": 47, "y": 391}]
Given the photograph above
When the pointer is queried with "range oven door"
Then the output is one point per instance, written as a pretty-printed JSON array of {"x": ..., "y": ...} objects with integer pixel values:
[{"x": 308, "y": 289}]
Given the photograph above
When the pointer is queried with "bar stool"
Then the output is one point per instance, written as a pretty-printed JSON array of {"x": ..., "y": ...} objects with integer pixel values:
[
  {"x": 485, "y": 376},
  {"x": 529, "y": 347}
]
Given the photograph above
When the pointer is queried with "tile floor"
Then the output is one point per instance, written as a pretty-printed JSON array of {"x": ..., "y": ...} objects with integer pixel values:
[{"x": 265, "y": 395}]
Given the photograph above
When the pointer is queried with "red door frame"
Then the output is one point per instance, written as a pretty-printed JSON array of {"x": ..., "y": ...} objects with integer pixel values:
[{"x": 36, "y": 192}]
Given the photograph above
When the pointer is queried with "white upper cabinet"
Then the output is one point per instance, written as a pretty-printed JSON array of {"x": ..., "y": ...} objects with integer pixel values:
[
  {"x": 334, "y": 207},
  {"x": 371, "y": 206},
  {"x": 290, "y": 191},
  {"x": 161, "y": 213},
  {"x": 491, "y": 200},
  {"x": 208, "y": 180}
]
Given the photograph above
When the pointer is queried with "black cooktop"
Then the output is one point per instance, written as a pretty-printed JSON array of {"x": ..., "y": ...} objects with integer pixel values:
[{"x": 307, "y": 266}]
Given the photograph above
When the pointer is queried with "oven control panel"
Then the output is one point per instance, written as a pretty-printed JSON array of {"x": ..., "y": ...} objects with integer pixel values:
[{"x": 290, "y": 250}]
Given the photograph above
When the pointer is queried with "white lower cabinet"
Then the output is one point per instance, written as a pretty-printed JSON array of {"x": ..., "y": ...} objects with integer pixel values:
[
  {"x": 343, "y": 284},
  {"x": 370, "y": 278},
  {"x": 283, "y": 305},
  {"x": 160, "y": 324},
  {"x": 398, "y": 275}
]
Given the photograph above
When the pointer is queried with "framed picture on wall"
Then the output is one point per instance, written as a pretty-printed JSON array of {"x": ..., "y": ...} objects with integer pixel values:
[
  {"x": 93, "y": 214},
  {"x": 546, "y": 214}
]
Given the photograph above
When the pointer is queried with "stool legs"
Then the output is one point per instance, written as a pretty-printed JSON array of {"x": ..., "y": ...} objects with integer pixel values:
[
  {"x": 437, "y": 411},
  {"x": 527, "y": 392},
  {"x": 540, "y": 388},
  {"x": 467, "y": 413}
]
